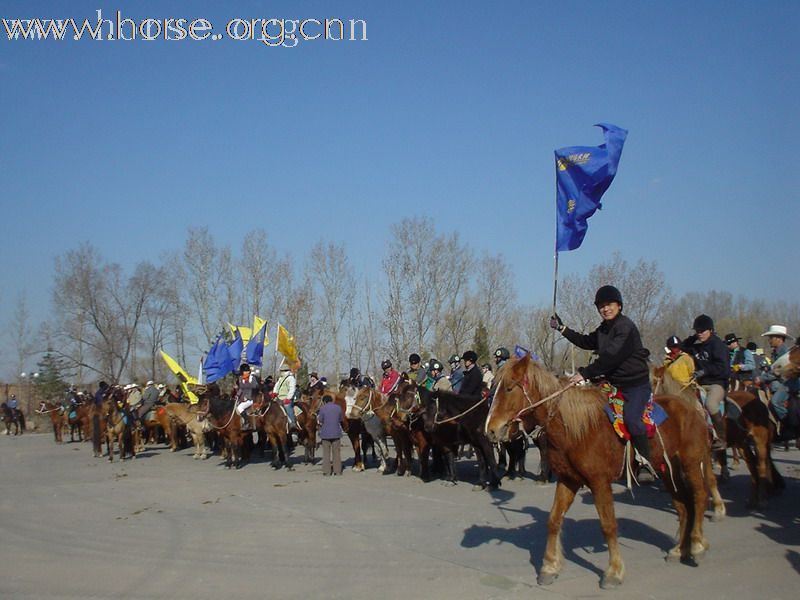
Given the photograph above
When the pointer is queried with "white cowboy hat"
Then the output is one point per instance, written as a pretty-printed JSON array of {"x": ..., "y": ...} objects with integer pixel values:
[
  {"x": 130, "y": 386},
  {"x": 149, "y": 383},
  {"x": 779, "y": 330}
]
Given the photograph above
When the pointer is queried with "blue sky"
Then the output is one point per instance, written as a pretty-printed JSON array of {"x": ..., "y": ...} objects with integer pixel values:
[{"x": 450, "y": 111}]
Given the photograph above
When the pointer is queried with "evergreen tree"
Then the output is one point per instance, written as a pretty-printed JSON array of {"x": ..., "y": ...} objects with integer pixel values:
[
  {"x": 51, "y": 384},
  {"x": 481, "y": 343}
]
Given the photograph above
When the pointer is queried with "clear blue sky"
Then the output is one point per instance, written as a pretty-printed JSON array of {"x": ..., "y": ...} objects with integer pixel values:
[{"x": 450, "y": 111}]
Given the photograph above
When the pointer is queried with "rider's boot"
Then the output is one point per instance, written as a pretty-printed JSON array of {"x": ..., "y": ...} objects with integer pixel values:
[
  {"x": 245, "y": 420},
  {"x": 719, "y": 428},
  {"x": 646, "y": 473}
]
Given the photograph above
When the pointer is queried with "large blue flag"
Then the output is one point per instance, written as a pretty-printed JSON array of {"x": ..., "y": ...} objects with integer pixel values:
[
  {"x": 235, "y": 351},
  {"x": 218, "y": 362},
  {"x": 583, "y": 174},
  {"x": 255, "y": 347}
]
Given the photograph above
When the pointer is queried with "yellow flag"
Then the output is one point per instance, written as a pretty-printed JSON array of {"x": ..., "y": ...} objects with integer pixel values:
[
  {"x": 189, "y": 394},
  {"x": 286, "y": 345},
  {"x": 258, "y": 323},
  {"x": 245, "y": 332},
  {"x": 178, "y": 370}
]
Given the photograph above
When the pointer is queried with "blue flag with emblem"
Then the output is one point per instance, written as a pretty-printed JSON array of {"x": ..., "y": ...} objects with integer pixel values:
[
  {"x": 218, "y": 362},
  {"x": 255, "y": 347},
  {"x": 235, "y": 351},
  {"x": 583, "y": 174}
]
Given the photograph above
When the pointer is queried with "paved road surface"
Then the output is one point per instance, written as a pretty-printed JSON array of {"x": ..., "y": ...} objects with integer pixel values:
[{"x": 167, "y": 526}]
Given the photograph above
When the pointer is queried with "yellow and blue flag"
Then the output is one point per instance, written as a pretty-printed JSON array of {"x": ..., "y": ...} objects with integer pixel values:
[{"x": 583, "y": 174}]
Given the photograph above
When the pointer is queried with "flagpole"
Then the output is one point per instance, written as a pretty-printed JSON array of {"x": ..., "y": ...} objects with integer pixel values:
[{"x": 275, "y": 354}]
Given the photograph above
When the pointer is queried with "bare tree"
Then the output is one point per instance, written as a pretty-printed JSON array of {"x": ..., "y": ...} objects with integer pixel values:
[
  {"x": 257, "y": 265},
  {"x": 100, "y": 309},
  {"x": 495, "y": 297},
  {"x": 21, "y": 333},
  {"x": 334, "y": 276}
]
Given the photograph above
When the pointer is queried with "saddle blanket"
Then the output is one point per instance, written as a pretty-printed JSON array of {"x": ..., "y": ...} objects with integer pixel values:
[
  {"x": 72, "y": 415},
  {"x": 653, "y": 415}
]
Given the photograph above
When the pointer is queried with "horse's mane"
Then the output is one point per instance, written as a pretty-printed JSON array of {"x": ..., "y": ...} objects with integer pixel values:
[{"x": 581, "y": 409}]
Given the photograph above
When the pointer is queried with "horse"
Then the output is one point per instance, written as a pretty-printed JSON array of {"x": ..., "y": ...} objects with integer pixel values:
[
  {"x": 583, "y": 449},
  {"x": 360, "y": 438},
  {"x": 118, "y": 426},
  {"x": 453, "y": 419},
  {"x": 223, "y": 418},
  {"x": 272, "y": 424},
  {"x": 748, "y": 428},
  {"x": 788, "y": 367},
  {"x": 177, "y": 415},
  {"x": 13, "y": 416},
  {"x": 56, "y": 414},
  {"x": 408, "y": 431},
  {"x": 375, "y": 412},
  {"x": 309, "y": 406}
]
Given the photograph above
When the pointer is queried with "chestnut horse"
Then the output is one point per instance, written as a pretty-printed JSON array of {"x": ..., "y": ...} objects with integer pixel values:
[
  {"x": 224, "y": 419},
  {"x": 56, "y": 414},
  {"x": 583, "y": 449},
  {"x": 309, "y": 406},
  {"x": 748, "y": 428},
  {"x": 175, "y": 417},
  {"x": 272, "y": 424},
  {"x": 360, "y": 439}
]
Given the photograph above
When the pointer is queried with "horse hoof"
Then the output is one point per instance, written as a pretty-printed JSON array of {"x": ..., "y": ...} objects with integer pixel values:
[
  {"x": 610, "y": 582},
  {"x": 448, "y": 483},
  {"x": 478, "y": 487},
  {"x": 673, "y": 555},
  {"x": 689, "y": 561},
  {"x": 717, "y": 517},
  {"x": 546, "y": 578}
]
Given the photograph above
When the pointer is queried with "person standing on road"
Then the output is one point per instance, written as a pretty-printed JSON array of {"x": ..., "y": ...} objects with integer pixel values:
[{"x": 331, "y": 419}]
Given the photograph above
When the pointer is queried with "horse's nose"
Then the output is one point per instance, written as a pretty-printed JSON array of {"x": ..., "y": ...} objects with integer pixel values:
[{"x": 497, "y": 434}]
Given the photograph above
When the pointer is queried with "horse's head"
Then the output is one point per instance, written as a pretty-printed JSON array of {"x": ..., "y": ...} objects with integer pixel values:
[
  {"x": 513, "y": 393},
  {"x": 361, "y": 400},
  {"x": 788, "y": 365}
]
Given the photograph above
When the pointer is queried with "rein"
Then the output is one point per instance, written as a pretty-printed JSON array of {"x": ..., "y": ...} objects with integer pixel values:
[
  {"x": 532, "y": 405},
  {"x": 45, "y": 412},
  {"x": 458, "y": 416}
]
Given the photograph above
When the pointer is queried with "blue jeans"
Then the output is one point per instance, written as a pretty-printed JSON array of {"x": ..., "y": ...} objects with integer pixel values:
[
  {"x": 636, "y": 399},
  {"x": 289, "y": 409},
  {"x": 780, "y": 394}
]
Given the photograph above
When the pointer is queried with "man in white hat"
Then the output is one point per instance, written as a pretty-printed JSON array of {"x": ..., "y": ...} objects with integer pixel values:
[
  {"x": 149, "y": 398},
  {"x": 776, "y": 338},
  {"x": 284, "y": 391}
]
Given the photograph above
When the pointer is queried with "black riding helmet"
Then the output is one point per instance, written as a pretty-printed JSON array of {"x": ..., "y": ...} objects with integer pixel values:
[
  {"x": 608, "y": 293},
  {"x": 386, "y": 364},
  {"x": 354, "y": 372},
  {"x": 414, "y": 359},
  {"x": 502, "y": 353},
  {"x": 703, "y": 323},
  {"x": 470, "y": 355}
]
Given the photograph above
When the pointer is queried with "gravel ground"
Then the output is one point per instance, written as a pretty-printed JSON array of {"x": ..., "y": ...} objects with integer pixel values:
[{"x": 167, "y": 526}]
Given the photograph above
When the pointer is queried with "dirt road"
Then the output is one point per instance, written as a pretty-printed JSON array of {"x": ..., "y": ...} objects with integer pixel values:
[{"x": 167, "y": 526}]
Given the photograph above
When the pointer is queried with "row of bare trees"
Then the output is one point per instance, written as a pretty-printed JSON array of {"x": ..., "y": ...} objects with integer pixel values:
[{"x": 434, "y": 296}]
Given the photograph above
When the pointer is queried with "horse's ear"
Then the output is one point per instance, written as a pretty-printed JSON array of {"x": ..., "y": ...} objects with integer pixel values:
[{"x": 521, "y": 366}]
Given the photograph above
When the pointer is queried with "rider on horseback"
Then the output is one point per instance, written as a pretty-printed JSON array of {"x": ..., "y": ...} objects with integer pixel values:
[
  {"x": 776, "y": 337},
  {"x": 712, "y": 372},
  {"x": 246, "y": 385},
  {"x": 622, "y": 360},
  {"x": 284, "y": 391},
  {"x": 678, "y": 365}
]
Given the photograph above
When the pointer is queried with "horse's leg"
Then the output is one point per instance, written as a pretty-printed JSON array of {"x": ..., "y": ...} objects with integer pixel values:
[
  {"x": 693, "y": 476},
  {"x": 355, "y": 440},
  {"x": 604, "y": 503},
  {"x": 285, "y": 452},
  {"x": 553, "y": 554},
  {"x": 711, "y": 484}
]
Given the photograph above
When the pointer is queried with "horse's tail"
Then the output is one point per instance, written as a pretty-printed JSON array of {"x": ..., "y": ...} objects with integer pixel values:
[{"x": 21, "y": 421}]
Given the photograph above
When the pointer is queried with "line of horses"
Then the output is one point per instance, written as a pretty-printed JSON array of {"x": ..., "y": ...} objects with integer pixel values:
[{"x": 581, "y": 447}]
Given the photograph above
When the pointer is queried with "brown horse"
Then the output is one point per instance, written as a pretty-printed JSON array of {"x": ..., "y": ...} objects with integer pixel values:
[
  {"x": 309, "y": 406},
  {"x": 583, "y": 449},
  {"x": 119, "y": 426},
  {"x": 226, "y": 422},
  {"x": 272, "y": 424},
  {"x": 375, "y": 412},
  {"x": 55, "y": 413},
  {"x": 360, "y": 439},
  {"x": 748, "y": 429},
  {"x": 12, "y": 417}
]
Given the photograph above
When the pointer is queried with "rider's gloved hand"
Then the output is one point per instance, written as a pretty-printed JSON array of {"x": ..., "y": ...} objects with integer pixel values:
[{"x": 557, "y": 323}]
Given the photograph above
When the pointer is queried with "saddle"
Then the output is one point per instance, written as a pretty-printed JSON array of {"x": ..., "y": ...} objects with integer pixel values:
[{"x": 653, "y": 415}]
